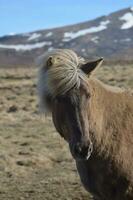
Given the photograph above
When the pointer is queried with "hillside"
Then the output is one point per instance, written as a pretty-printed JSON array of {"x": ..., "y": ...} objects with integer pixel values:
[{"x": 108, "y": 36}]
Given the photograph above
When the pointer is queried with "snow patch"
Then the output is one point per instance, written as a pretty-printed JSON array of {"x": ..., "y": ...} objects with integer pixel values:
[
  {"x": 126, "y": 40},
  {"x": 61, "y": 44},
  {"x": 83, "y": 50},
  {"x": 72, "y": 35},
  {"x": 123, "y": 40},
  {"x": 128, "y": 18},
  {"x": 66, "y": 39},
  {"x": 115, "y": 41},
  {"x": 131, "y": 8},
  {"x": 49, "y": 34},
  {"x": 12, "y": 34},
  {"x": 95, "y": 39},
  {"x": 26, "y": 47},
  {"x": 34, "y": 36},
  {"x": 50, "y": 48}
]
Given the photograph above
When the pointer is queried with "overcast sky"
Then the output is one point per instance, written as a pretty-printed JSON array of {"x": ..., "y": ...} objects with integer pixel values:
[{"x": 18, "y": 16}]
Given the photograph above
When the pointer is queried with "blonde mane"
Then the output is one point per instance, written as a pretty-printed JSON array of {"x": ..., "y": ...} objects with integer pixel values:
[{"x": 61, "y": 75}]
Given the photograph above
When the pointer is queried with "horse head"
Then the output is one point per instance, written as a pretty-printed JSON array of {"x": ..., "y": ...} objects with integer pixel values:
[{"x": 64, "y": 88}]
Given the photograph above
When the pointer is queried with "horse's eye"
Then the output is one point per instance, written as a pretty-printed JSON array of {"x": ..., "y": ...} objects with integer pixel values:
[{"x": 64, "y": 99}]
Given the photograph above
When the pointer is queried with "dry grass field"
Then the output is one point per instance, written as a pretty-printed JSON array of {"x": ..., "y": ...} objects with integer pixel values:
[{"x": 35, "y": 163}]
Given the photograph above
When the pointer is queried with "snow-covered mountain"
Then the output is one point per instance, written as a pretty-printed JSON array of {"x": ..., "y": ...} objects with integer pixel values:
[{"x": 108, "y": 36}]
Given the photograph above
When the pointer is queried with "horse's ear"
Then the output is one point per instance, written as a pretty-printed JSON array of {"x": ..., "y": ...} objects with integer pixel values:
[
  {"x": 40, "y": 61},
  {"x": 50, "y": 61},
  {"x": 88, "y": 67}
]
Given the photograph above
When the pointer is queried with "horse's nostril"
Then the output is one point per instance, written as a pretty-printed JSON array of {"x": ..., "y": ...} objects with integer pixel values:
[
  {"x": 90, "y": 148},
  {"x": 83, "y": 151}
]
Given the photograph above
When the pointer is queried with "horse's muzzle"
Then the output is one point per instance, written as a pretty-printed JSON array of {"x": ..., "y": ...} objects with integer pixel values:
[{"x": 82, "y": 151}]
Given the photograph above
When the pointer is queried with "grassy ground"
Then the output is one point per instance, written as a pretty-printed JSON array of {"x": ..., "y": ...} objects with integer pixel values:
[{"x": 35, "y": 163}]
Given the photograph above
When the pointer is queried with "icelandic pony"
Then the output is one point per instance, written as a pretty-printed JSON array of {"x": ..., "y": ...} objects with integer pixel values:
[{"x": 95, "y": 119}]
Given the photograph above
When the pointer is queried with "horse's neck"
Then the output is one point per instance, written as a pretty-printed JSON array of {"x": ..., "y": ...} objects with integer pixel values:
[
  {"x": 109, "y": 106},
  {"x": 110, "y": 119}
]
